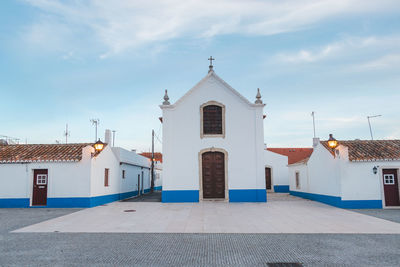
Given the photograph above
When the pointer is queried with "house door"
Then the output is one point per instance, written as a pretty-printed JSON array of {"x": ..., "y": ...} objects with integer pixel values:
[
  {"x": 268, "y": 183},
  {"x": 391, "y": 187},
  {"x": 213, "y": 168},
  {"x": 39, "y": 196}
]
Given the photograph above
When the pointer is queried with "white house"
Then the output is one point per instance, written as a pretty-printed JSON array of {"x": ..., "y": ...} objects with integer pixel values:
[
  {"x": 276, "y": 166},
  {"x": 357, "y": 174},
  {"x": 69, "y": 175},
  {"x": 157, "y": 168},
  {"x": 213, "y": 145},
  {"x": 276, "y": 172}
]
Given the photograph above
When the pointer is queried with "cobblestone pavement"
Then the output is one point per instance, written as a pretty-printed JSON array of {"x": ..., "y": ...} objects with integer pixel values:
[
  {"x": 387, "y": 214},
  {"x": 33, "y": 249}
]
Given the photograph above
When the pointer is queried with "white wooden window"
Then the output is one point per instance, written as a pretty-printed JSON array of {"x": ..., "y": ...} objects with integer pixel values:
[
  {"x": 41, "y": 179},
  {"x": 388, "y": 179},
  {"x": 297, "y": 180}
]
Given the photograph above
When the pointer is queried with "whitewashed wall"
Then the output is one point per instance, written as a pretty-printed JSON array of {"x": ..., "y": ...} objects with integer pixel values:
[
  {"x": 302, "y": 169},
  {"x": 323, "y": 172},
  {"x": 279, "y": 167},
  {"x": 243, "y": 139},
  {"x": 65, "y": 179}
]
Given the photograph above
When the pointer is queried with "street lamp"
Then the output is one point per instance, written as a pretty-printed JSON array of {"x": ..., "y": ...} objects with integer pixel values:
[
  {"x": 332, "y": 142},
  {"x": 98, "y": 146}
]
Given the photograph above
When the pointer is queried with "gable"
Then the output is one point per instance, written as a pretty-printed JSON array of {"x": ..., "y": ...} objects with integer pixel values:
[{"x": 211, "y": 77}]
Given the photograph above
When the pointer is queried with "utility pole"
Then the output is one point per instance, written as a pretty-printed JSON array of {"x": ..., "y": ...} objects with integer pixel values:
[
  {"x": 369, "y": 123},
  {"x": 95, "y": 122},
  {"x": 152, "y": 161},
  {"x": 313, "y": 121}
]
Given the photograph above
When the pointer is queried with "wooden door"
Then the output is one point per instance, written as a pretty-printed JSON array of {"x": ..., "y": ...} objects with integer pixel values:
[
  {"x": 39, "y": 196},
  {"x": 268, "y": 183},
  {"x": 213, "y": 167},
  {"x": 391, "y": 187}
]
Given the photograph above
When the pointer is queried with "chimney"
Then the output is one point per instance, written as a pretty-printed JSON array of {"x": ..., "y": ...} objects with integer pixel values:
[
  {"x": 315, "y": 141},
  {"x": 107, "y": 137}
]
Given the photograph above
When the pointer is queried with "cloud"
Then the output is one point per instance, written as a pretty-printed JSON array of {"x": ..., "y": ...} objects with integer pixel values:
[
  {"x": 345, "y": 47},
  {"x": 121, "y": 25},
  {"x": 384, "y": 62}
]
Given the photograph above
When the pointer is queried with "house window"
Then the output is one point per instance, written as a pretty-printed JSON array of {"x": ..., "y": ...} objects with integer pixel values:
[
  {"x": 106, "y": 174},
  {"x": 123, "y": 174},
  {"x": 388, "y": 179},
  {"x": 212, "y": 119},
  {"x": 41, "y": 179},
  {"x": 297, "y": 180}
]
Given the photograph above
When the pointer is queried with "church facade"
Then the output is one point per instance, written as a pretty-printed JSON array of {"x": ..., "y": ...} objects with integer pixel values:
[{"x": 213, "y": 145}]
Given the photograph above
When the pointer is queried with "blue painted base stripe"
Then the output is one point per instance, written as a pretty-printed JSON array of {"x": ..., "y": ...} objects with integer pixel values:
[
  {"x": 281, "y": 188},
  {"x": 169, "y": 196},
  {"x": 67, "y": 202},
  {"x": 247, "y": 195},
  {"x": 158, "y": 188},
  {"x": 14, "y": 202},
  {"x": 338, "y": 202}
]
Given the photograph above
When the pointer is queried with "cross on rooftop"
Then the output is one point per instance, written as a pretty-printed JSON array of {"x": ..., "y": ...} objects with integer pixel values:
[{"x": 211, "y": 65}]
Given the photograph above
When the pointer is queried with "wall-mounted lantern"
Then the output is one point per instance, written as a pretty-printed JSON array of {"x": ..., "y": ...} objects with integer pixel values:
[
  {"x": 98, "y": 146},
  {"x": 332, "y": 142},
  {"x": 375, "y": 169}
]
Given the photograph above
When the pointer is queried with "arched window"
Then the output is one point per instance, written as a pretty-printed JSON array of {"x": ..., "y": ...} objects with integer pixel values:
[{"x": 212, "y": 116}]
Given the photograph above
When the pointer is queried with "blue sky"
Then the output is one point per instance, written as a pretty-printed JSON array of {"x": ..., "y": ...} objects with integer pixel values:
[{"x": 70, "y": 61}]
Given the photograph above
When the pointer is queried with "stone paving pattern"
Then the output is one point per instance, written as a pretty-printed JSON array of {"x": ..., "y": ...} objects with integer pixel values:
[
  {"x": 281, "y": 214},
  {"x": 110, "y": 249}
]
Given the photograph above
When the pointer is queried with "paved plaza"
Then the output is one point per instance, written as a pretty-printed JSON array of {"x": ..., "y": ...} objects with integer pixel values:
[
  {"x": 281, "y": 214},
  {"x": 189, "y": 249}
]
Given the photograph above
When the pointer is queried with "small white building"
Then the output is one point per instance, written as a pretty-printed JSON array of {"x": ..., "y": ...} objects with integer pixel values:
[
  {"x": 157, "y": 168},
  {"x": 69, "y": 175},
  {"x": 276, "y": 172},
  {"x": 213, "y": 145},
  {"x": 357, "y": 174},
  {"x": 276, "y": 166}
]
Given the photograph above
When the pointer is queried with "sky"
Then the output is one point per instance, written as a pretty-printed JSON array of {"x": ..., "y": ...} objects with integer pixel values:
[{"x": 72, "y": 61}]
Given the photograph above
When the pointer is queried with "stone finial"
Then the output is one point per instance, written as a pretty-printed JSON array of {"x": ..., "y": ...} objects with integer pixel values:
[
  {"x": 258, "y": 97},
  {"x": 166, "y": 98}
]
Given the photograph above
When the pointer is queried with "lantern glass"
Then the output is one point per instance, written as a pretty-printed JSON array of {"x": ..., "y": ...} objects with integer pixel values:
[
  {"x": 99, "y": 146},
  {"x": 332, "y": 142}
]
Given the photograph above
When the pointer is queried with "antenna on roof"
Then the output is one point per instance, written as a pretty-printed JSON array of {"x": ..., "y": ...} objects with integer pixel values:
[
  {"x": 369, "y": 123},
  {"x": 313, "y": 121},
  {"x": 95, "y": 122},
  {"x": 66, "y": 133}
]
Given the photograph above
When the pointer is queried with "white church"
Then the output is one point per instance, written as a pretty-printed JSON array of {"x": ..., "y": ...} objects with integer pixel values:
[{"x": 213, "y": 145}]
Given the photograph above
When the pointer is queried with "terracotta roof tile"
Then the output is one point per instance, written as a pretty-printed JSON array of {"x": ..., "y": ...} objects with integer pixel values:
[
  {"x": 294, "y": 154},
  {"x": 41, "y": 152},
  {"x": 157, "y": 155},
  {"x": 370, "y": 150}
]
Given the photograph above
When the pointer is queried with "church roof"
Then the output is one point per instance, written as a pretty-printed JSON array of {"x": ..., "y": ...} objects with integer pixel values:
[
  {"x": 369, "y": 150},
  {"x": 294, "y": 154},
  {"x": 212, "y": 74},
  {"x": 42, "y": 153}
]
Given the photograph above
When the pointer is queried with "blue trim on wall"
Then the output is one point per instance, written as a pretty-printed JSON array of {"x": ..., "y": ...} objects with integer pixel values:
[
  {"x": 67, "y": 202},
  {"x": 158, "y": 188},
  {"x": 147, "y": 190},
  {"x": 14, "y": 202},
  {"x": 338, "y": 202},
  {"x": 169, "y": 196},
  {"x": 247, "y": 195},
  {"x": 281, "y": 188}
]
